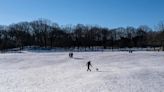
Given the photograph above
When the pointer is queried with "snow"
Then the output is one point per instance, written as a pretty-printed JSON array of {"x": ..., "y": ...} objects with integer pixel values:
[{"x": 140, "y": 71}]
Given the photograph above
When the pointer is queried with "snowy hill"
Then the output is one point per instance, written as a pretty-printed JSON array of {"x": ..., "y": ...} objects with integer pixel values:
[{"x": 56, "y": 72}]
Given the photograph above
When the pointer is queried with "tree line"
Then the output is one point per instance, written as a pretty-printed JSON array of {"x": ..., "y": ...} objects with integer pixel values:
[{"x": 44, "y": 33}]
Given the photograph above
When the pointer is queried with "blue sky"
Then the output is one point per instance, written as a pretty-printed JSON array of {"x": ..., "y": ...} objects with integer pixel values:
[{"x": 106, "y": 13}]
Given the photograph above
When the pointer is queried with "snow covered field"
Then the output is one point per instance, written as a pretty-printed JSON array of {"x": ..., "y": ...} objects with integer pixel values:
[{"x": 56, "y": 72}]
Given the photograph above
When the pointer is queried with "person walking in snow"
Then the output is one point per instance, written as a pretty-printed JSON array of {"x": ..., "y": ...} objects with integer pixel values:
[{"x": 88, "y": 65}]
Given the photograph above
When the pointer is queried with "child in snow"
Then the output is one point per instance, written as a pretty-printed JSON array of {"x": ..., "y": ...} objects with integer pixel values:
[{"x": 88, "y": 65}]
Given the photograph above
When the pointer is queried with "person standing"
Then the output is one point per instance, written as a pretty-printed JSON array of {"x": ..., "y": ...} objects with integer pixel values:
[{"x": 89, "y": 65}]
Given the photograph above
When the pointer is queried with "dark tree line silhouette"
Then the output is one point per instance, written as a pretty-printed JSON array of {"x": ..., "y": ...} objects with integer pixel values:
[{"x": 44, "y": 33}]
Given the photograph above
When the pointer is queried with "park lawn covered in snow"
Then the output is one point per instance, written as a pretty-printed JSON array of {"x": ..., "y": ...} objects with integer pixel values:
[{"x": 56, "y": 72}]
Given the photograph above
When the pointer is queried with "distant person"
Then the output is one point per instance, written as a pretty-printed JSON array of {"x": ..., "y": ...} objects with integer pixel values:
[
  {"x": 130, "y": 51},
  {"x": 89, "y": 65},
  {"x": 71, "y": 55}
]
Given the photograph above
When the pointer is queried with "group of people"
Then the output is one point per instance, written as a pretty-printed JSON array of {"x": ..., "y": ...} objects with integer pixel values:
[
  {"x": 88, "y": 63},
  {"x": 71, "y": 55}
]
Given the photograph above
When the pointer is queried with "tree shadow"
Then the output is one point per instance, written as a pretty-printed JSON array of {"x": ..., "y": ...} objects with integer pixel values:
[
  {"x": 78, "y": 58},
  {"x": 103, "y": 71}
]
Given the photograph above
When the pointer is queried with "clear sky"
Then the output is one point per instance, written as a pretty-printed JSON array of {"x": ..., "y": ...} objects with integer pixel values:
[{"x": 106, "y": 13}]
